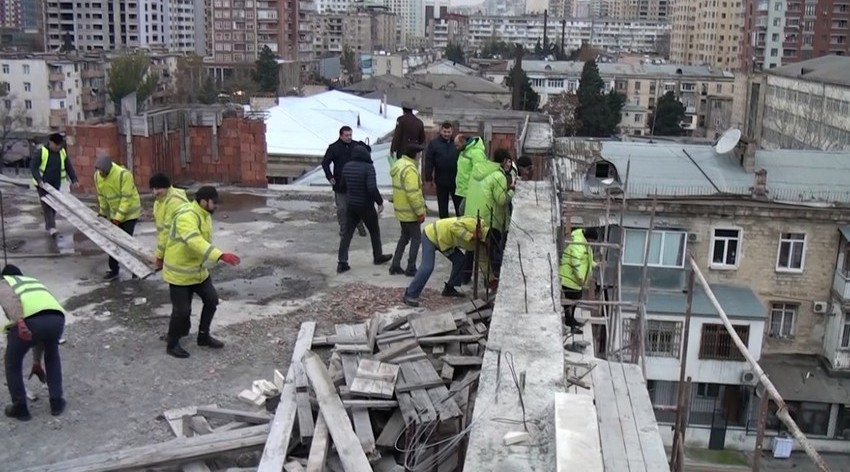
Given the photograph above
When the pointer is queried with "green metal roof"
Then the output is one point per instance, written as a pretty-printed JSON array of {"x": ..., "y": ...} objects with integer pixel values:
[{"x": 738, "y": 301}]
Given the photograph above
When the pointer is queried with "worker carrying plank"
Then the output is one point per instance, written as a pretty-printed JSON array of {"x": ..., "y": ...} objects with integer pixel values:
[
  {"x": 188, "y": 249},
  {"x": 117, "y": 199},
  {"x": 51, "y": 166},
  {"x": 167, "y": 200},
  {"x": 36, "y": 318},
  {"x": 450, "y": 236},
  {"x": 576, "y": 267}
]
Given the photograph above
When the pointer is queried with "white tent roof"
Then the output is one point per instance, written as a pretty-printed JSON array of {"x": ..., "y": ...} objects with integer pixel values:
[{"x": 381, "y": 158}]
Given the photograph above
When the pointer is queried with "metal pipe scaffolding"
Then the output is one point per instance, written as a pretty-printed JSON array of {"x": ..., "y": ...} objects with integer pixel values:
[{"x": 782, "y": 411}]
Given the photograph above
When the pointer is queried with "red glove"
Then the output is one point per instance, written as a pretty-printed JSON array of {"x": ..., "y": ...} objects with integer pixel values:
[
  {"x": 23, "y": 331},
  {"x": 116, "y": 222},
  {"x": 38, "y": 371},
  {"x": 158, "y": 263},
  {"x": 421, "y": 219},
  {"x": 229, "y": 258}
]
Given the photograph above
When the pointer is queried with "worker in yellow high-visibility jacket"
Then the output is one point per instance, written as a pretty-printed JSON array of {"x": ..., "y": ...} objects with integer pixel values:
[
  {"x": 576, "y": 268},
  {"x": 167, "y": 201},
  {"x": 409, "y": 206},
  {"x": 51, "y": 166},
  {"x": 118, "y": 200}
]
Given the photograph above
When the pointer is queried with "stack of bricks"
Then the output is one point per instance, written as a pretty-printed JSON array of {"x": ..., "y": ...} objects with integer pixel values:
[{"x": 241, "y": 156}]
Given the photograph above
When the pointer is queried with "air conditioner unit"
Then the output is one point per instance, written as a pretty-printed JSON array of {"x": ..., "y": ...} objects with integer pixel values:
[
  {"x": 748, "y": 377},
  {"x": 693, "y": 237},
  {"x": 820, "y": 307}
]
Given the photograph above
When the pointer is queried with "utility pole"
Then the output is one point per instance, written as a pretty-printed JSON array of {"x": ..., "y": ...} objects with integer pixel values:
[
  {"x": 545, "y": 34},
  {"x": 516, "y": 78},
  {"x": 563, "y": 34}
]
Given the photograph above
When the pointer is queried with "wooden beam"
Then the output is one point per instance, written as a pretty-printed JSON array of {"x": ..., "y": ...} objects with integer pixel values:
[
  {"x": 395, "y": 351},
  {"x": 234, "y": 415},
  {"x": 274, "y": 453},
  {"x": 330, "y": 407},
  {"x": 462, "y": 360},
  {"x": 174, "y": 418},
  {"x": 461, "y": 338},
  {"x": 318, "y": 447}
]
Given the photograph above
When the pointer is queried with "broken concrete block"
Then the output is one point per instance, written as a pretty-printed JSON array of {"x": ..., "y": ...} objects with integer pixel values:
[
  {"x": 264, "y": 387},
  {"x": 252, "y": 397},
  {"x": 515, "y": 437}
]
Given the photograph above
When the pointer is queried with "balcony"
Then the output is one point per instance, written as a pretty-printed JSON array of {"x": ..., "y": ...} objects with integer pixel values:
[
  {"x": 93, "y": 104},
  {"x": 92, "y": 73},
  {"x": 57, "y": 93},
  {"x": 56, "y": 77},
  {"x": 841, "y": 285}
]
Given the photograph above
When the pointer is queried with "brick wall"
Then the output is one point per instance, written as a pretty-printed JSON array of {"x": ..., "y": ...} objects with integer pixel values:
[{"x": 240, "y": 157}]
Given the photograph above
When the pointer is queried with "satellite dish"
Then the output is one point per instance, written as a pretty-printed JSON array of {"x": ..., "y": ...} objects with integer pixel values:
[{"x": 728, "y": 141}]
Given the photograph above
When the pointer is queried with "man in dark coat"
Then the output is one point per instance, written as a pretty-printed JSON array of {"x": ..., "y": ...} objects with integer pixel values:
[
  {"x": 338, "y": 154},
  {"x": 441, "y": 169},
  {"x": 408, "y": 129},
  {"x": 51, "y": 166},
  {"x": 362, "y": 194}
]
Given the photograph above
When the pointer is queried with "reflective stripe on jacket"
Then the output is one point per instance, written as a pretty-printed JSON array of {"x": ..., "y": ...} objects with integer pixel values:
[
  {"x": 576, "y": 262},
  {"x": 34, "y": 296},
  {"x": 45, "y": 154},
  {"x": 472, "y": 154},
  {"x": 450, "y": 233},
  {"x": 163, "y": 214},
  {"x": 117, "y": 195},
  {"x": 408, "y": 201},
  {"x": 189, "y": 246}
]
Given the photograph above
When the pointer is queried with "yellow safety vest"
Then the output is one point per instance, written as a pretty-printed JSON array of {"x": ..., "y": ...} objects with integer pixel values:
[
  {"x": 45, "y": 153},
  {"x": 163, "y": 214},
  {"x": 408, "y": 201},
  {"x": 450, "y": 233},
  {"x": 34, "y": 296},
  {"x": 117, "y": 195},
  {"x": 188, "y": 247}
]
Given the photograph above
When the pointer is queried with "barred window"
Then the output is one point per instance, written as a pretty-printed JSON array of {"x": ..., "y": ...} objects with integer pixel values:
[{"x": 716, "y": 343}]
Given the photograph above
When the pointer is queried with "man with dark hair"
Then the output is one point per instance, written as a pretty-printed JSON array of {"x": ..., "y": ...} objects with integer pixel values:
[
  {"x": 167, "y": 200},
  {"x": 51, "y": 166},
  {"x": 118, "y": 200},
  {"x": 188, "y": 249},
  {"x": 576, "y": 267},
  {"x": 362, "y": 195},
  {"x": 408, "y": 130},
  {"x": 338, "y": 154},
  {"x": 36, "y": 319},
  {"x": 526, "y": 167},
  {"x": 441, "y": 169}
]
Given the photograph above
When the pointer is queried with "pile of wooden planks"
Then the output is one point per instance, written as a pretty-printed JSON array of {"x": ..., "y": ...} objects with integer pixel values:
[
  {"x": 136, "y": 257},
  {"x": 394, "y": 394}
]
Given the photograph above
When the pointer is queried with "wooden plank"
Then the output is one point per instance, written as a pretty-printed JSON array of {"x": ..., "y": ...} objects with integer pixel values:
[
  {"x": 577, "y": 444},
  {"x": 418, "y": 375},
  {"x": 425, "y": 324},
  {"x": 407, "y": 408},
  {"x": 392, "y": 430},
  {"x": 230, "y": 426},
  {"x": 396, "y": 350},
  {"x": 274, "y": 453},
  {"x": 234, "y": 415},
  {"x": 610, "y": 432},
  {"x": 375, "y": 379},
  {"x": 318, "y": 447},
  {"x": 358, "y": 332},
  {"x": 359, "y": 416},
  {"x": 374, "y": 325},
  {"x": 467, "y": 380},
  {"x": 631, "y": 440},
  {"x": 652, "y": 447},
  {"x": 447, "y": 373},
  {"x": 416, "y": 356},
  {"x": 394, "y": 336},
  {"x": 462, "y": 360},
  {"x": 174, "y": 418},
  {"x": 330, "y": 407},
  {"x": 150, "y": 456},
  {"x": 444, "y": 404},
  {"x": 303, "y": 407},
  {"x": 462, "y": 338},
  {"x": 293, "y": 467}
]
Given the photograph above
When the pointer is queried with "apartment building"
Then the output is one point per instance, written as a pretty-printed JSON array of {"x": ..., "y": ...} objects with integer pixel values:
[
  {"x": 655, "y": 10},
  {"x": 757, "y": 225},
  {"x": 560, "y": 8},
  {"x": 362, "y": 31},
  {"x": 504, "y": 8},
  {"x": 53, "y": 91},
  {"x": 778, "y": 32},
  {"x": 412, "y": 13},
  {"x": 606, "y": 34},
  {"x": 707, "y": 32},
  {"x": 805, "y": 105},
  {"x": 167, "y": 25},
  {"x": 450, "y": 28},
  {"x": 591, "y": 8},
  {"x": 238, "y": 29}
]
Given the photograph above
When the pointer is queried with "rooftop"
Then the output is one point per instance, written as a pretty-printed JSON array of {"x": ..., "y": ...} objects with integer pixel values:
[
  {"x": 426, "y": 98},
  {"x": 445, "y": 67},
  {"x": 826, "y": 69},
  {"x": 739, "y": 302},
  {"x": 461, "y": 83},
  {"x": 672, "y": 71}
]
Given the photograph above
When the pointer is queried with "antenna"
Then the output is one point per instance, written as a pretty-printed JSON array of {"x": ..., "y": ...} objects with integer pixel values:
[{"x": 727, "y": 141}]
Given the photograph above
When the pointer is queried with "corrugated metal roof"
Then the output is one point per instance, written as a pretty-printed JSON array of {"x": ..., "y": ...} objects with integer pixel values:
[
  {"x": 738, "y": 301},
  {"x": 305, "y": 126},
  {"x": 802, "y": 378},
  {"x": 808, "y": 172}
]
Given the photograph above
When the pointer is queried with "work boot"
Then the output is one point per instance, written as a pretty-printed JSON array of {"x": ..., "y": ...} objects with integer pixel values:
[
  {"x": 175, "y": 349},
  {"x": 342, "y": 267},
  {"x": 19, "y": 412},
  {"x": 410, "y": 272},
  {"x": 57, "y": 406},
  {"x": 449, "y": 291},
  {"x": 110, "y": 276},
  {"x": 410, "y": 301},
  {"x": 396, "y": 270},
  {"x": 575, "y": 329},
  {"x": 382, "y": 259},
  {"x": 205, "y": 340}
]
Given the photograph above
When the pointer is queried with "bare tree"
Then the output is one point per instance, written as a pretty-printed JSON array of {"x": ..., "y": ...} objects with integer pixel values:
[
  {"x": 13, "y": 119},
  {"x": 562, "y": 109},
  {"x": 795, "y": 120}
]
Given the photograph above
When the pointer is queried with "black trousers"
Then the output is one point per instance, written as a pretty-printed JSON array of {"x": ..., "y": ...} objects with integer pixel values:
[
  {"x": 496, "y": 250},
  {"x": 411, "y": 232},
  {"x": 353, "y": 216},
  {"x": 128, "y": 227},
  {"x": 46, "y": 210},
  {"x": 46, "y": 328},
  {"x": 443, "y": 194},
  {"x": 181, "y": 308},
  {"x": 570, "y": 294}
]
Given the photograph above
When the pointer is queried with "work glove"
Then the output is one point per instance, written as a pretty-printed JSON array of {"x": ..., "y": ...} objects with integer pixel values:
[
  {"x": 158, "y": 263},
  {"x": 421, "y": 219},
  {"x": 229, "y": 258},
  {"x": 38, "y": 371},
  {"x": 23, "y": 330}
]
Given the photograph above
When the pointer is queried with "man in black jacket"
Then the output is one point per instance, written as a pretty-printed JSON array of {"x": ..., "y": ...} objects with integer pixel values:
[
  {"x": 362, "y": 194},
  {"x": 441, "y": 169},
  {"x": 51, "y": 165},
  {"x": 338, "y": 154}
]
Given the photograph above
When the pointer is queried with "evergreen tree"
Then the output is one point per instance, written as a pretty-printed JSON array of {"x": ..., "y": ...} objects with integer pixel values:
[
  {"x": 454, "y": 53},
  {"x": 538, "y": 49},
  {"x": 266, "y": 71},
  {"x": 529, "y": 99},
  {"x": 668, "y": 117},
  {"x": 130, "y": 73},
  {"x": 598, "y": 112}
]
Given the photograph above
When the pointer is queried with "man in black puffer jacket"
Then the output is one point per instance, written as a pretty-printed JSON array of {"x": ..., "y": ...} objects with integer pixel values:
[{"x": 362, "y": 194}]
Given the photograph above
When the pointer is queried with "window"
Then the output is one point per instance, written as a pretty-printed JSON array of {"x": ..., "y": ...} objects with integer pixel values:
[
  {"x": 715, "y": 342},
  {"x": 782, "y": 319},
  {"x": 637, "y": 86},
  {"x": 845, "y": 332},
  {"x": 638, "y": 117},
  {"x": 5, "y": 68},
  {"x": 26, "y": 69},
  {"x": 28, "y": 104},
  {"x": 27, "y": 87},
  {"x": 556, "y": 83},
  {"x": 666, "y": 248},
  {"x": 792, "y": 252},
  {"x": 663, "y": 338},
  {"x": 725, "y": 247},
  {"x": 28, "y": 122}
]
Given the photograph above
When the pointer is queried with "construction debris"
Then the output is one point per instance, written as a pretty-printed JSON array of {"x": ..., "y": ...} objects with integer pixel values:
[{"x": 379, "y": 394}]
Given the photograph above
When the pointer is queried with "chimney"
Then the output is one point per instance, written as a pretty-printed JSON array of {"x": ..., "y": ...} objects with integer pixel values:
[
  {"x": 358, "y": 120},
  {"x": 385, "y": 104},
  {"x": 748, "y": 158},
  {"x": 760, "y": 185}
]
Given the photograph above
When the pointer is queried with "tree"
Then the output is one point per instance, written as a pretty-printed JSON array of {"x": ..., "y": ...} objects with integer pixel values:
[
  {"x": 193, "y": 82},
  {"x": 495, "y": 49},
  {"x": 349, "y": 63},
  {"x": 454, "y": 53},
  {"x": 669, "y": 113},
  {"x": 584, "y": 53},
  {"x": 598, "y": 112},
  {"x": 529, "y": 99},
  {"x": 129, "y": 73},
  {"x": 538, "y": 49},
  {"x": 266, "y": 71},
  {"x": 562, "y": 109}
]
